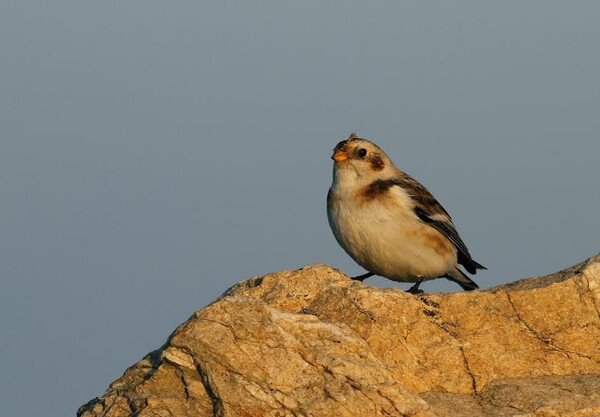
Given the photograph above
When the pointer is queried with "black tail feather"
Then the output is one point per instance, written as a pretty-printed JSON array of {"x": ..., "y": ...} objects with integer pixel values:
[
  {"x": 464, "y": 281},
  {"x": 470, "y": 265}
]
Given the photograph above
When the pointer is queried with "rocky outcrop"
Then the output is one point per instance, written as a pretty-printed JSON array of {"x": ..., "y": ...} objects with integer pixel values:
[{"x": 314, "y": 343}]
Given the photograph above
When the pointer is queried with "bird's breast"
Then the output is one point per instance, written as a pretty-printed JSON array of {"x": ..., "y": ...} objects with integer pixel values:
[
  {"x": 385, "y": 236},
  {"x": 362, "y": 224}
]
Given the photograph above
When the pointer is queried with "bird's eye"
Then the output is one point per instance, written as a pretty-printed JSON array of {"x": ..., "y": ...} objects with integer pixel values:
[{"x": 362, "y": 152}]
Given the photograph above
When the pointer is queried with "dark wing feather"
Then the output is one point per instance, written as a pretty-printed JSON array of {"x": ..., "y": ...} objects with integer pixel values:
[
  {"x": 426, "y": 207},
  {"x": 422, "y": 196},
  {"x": 448, "y": 230}
]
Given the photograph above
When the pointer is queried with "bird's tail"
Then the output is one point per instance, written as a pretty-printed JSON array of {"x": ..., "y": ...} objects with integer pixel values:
[
  {"x": 478, "y": 265},
  {"x": 461, "y": 279}
]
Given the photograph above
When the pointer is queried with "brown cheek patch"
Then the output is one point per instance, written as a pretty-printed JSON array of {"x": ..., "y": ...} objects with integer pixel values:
[{"x": 376, "y": 163}]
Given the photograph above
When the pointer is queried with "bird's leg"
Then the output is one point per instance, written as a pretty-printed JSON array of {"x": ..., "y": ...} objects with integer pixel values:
[
  {"x": 415, "y": 288},
  {"x": 362, "y": 277}
]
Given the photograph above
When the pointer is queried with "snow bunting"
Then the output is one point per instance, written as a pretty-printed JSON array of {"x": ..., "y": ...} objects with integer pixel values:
[{"x": 389, "y": 223}]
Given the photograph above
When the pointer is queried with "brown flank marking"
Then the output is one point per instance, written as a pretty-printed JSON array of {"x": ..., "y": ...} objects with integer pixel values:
[{"x": 438, "y": 242}]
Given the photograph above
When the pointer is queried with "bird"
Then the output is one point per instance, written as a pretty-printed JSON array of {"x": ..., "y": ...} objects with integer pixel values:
[{"x": 389, "y": 223}]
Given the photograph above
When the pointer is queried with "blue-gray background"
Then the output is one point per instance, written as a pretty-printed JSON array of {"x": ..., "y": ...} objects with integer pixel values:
[{"x": 153, "y": 153}]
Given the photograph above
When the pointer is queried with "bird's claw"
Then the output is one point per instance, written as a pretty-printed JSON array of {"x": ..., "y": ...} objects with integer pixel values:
[{"x": 415, "y": 288}]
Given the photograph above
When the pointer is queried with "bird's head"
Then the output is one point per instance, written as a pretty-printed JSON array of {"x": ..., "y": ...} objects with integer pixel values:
[{"x": 360, "y": 159}]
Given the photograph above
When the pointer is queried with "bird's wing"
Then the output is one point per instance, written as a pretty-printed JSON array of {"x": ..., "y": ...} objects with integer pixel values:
[
  {"x": 423, "y": 198},
  {"x": 430, "y": 211}
]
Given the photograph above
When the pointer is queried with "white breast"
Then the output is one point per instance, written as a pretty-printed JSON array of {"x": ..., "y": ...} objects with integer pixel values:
[{"x": 385, "y": 236}]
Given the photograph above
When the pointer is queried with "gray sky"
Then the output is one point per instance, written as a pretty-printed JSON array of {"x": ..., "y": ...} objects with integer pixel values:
[{"x": 154, "y": 153}]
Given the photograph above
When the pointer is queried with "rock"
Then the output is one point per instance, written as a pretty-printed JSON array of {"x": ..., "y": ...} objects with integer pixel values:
[{"x": 314, "y": 343}]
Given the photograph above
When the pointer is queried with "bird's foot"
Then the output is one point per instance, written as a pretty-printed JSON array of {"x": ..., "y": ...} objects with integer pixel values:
[
  {"x": 415, "y": 288},
  {"x": 362, "y": 277}
]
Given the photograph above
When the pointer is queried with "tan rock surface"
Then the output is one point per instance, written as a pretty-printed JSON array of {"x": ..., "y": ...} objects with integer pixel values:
[{"x": 314, "y": 343}]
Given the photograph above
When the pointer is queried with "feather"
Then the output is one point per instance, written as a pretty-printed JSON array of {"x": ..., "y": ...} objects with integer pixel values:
[{"x": 430, "y": 211}]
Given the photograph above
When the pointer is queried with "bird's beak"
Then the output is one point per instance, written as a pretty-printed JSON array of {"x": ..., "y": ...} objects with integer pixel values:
[{"x": 339, "y": 156}]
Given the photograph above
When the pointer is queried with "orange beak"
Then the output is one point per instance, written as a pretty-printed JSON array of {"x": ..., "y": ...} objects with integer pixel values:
[{"x": 339, "y": 156}]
